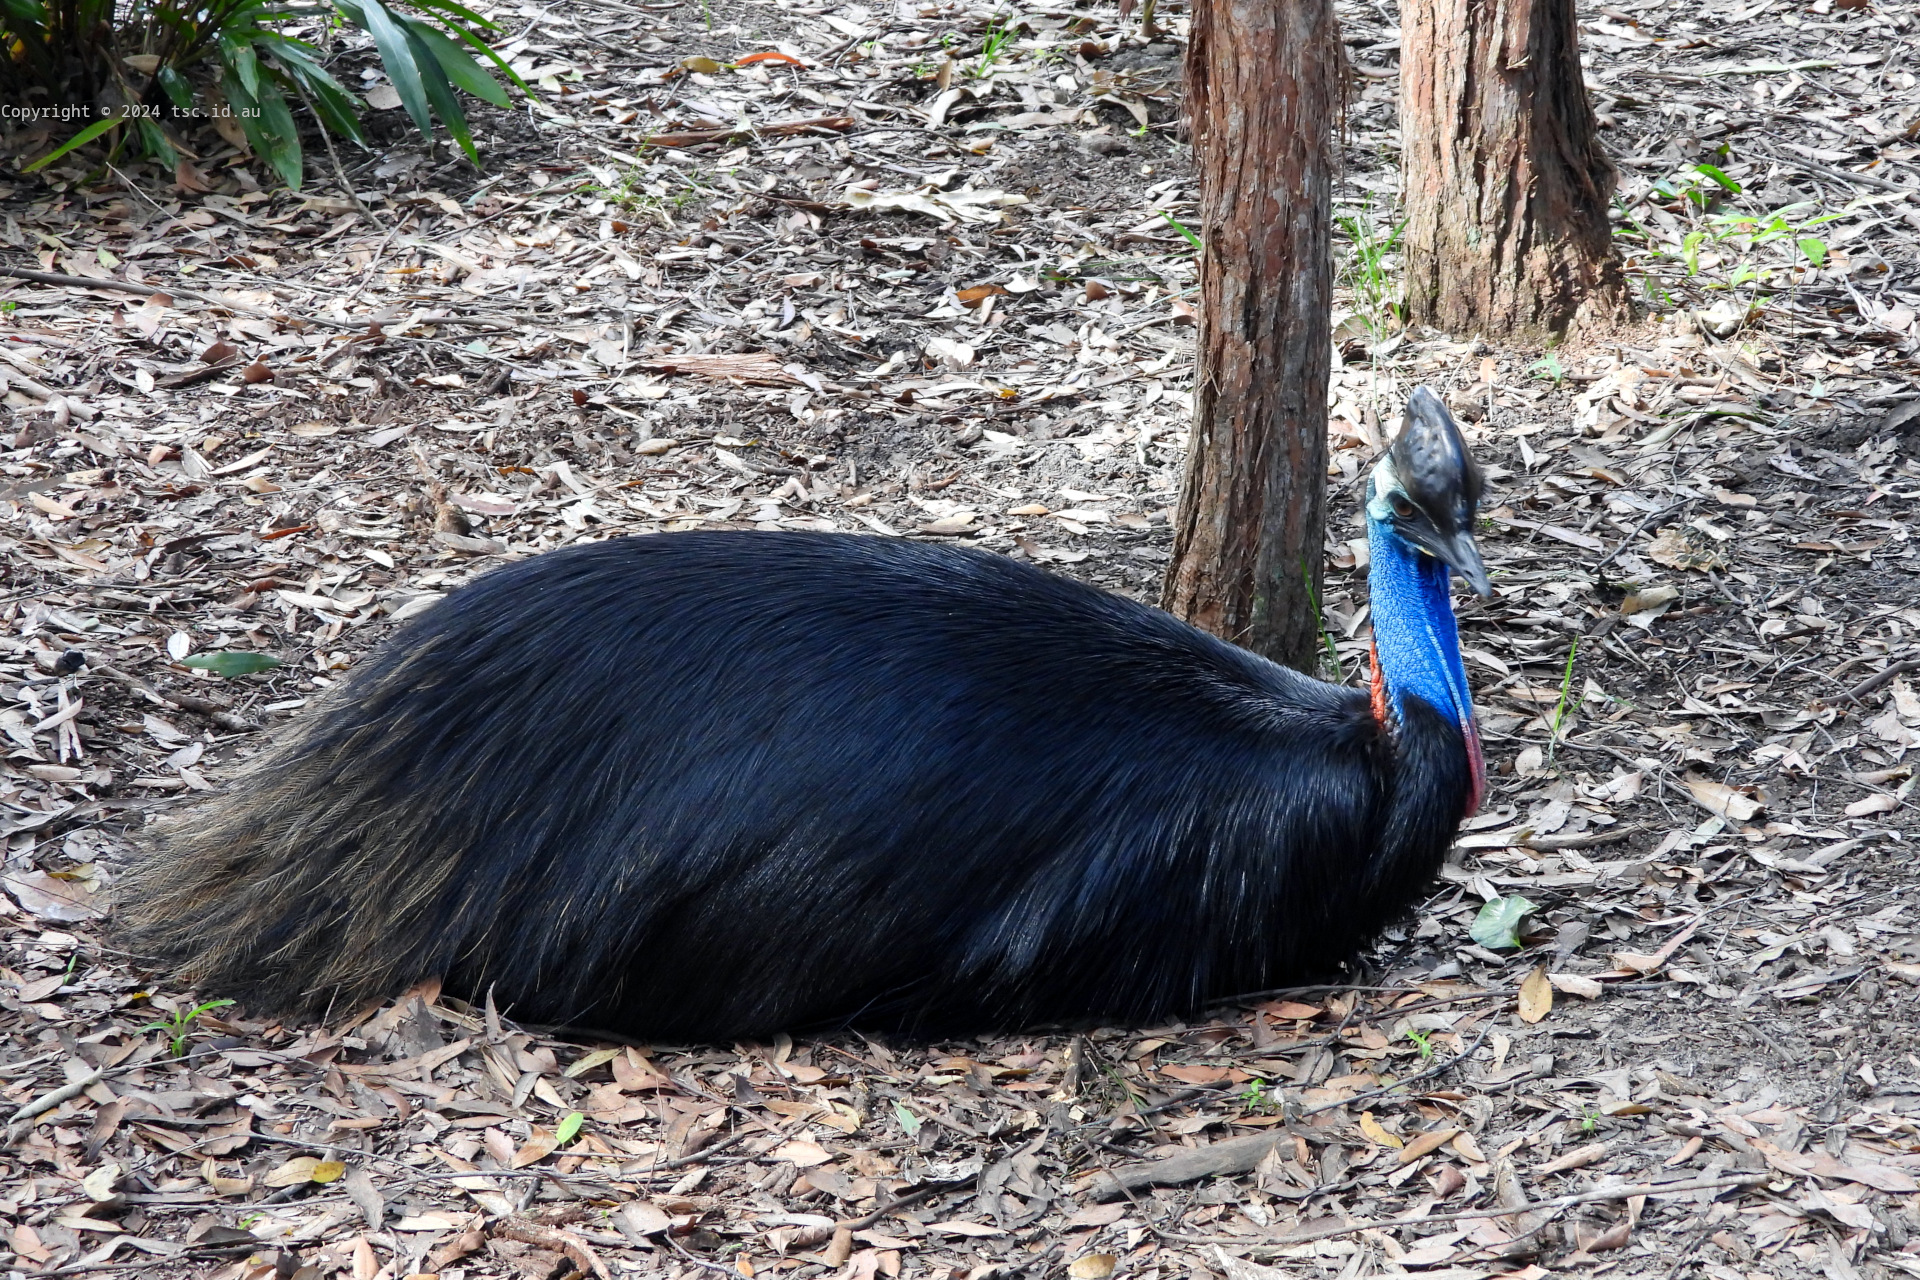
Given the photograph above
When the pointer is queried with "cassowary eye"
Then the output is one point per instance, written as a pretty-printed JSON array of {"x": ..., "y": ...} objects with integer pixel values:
[{"x": 1402, "y": 504}]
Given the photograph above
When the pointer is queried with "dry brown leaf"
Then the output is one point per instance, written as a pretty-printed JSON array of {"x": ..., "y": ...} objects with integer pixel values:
[
  {"x": 292, "y": 1173},
  {"x": 803, "y": 1152},
  {"x": 1578, "y": 1158},
  {"x": 1575, "y": 984},
  {"x": 224, "y": 1185},
  {"x": 50, "y": 897},
  {"x": 1736, "y": 804},
  {"x": 536, "y": 1148},
  {"x": 1292, "y": 1010},
  {"x": 1614, "y": 1237},
  {"x": 1427, "y": 1143},
  {"x": 1536, "y": 996},
  {"x": 1685, "y": 548},
  {"x": 1375, "y": 1134},
  {"x": 839, "y": 1248},
  {"x": 1196, "y": 1074},
  {"x": 1880, "y": 803}
]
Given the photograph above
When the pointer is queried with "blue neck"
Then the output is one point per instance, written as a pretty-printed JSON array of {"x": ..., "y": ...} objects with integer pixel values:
[{"x": 1413, "y": 627}]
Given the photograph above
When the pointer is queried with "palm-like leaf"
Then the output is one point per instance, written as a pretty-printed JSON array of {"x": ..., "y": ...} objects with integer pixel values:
[{"x": 259, "y": 69}]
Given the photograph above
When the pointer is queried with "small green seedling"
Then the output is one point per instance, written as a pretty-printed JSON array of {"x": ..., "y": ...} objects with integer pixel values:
[
  {"x": 1326, "y": 635},
  {"x": 180, "y": 1022},
  {"x": 1254, "y": 1096},
  {"x": 569, "y": 1128},
  {"x": 1549, "y": 366},
  {"x": 1422, "y": 1040},
  {"x": 1720, "y": 179},
  {"x": 1566, "y": 688},
  {"x": 996, "y": 42},
  {"x": 1589, "y": 1119},
  {"x": 1182, "y": 227}
]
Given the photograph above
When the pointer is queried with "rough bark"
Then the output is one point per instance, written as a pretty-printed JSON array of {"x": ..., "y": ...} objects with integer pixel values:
[
  {"x": 1263, "y": 93},
  {"x": 1506, "y": 183}
]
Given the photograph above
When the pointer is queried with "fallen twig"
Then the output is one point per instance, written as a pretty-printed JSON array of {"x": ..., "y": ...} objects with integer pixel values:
[
  {"x": 1645, "y": 520},
  {"x": 1234, "y": 1155},
  {"x": 696, "y": 1259},
  {"x": 1503, "y": 1211},
  {"x": 81, "y": 282},
  {"x": 222, "y": 716},
  {"x": 1400, "y": 1086},
  {"x": 1886, "y": 675},
  {"x": 694, "y": 137},
  {"x": 584, "y": 1260},
  {"x": 812, "y": 1237},
  {"x": 22, "y": 1120}
]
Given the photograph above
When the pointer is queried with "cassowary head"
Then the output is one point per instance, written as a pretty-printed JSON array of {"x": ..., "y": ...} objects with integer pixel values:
[{"x": 1427, "y": 486}]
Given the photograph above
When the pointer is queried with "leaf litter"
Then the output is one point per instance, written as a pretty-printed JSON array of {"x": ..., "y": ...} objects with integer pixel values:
[{"x": 926, "y": 272}]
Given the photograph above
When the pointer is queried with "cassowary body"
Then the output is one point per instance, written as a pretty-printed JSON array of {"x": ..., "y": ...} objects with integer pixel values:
[{"x": 712, "y": 785}]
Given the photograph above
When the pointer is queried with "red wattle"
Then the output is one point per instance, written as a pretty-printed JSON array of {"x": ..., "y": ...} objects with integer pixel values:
[
  {"x": 1379, "y": 685},
  {"x": 1476, "y": 765}
]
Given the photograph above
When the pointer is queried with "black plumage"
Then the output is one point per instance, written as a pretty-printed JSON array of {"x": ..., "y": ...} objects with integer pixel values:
[{"x": 709, "y": 785}]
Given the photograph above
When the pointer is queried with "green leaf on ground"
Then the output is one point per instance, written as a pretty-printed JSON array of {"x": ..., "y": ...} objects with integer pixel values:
[
  {"x": 230, "y": 663},
  {"x": 1498, "y": 924}
]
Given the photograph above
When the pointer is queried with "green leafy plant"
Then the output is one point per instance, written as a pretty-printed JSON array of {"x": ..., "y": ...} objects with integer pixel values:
[
  {"x": 1785, "y": 227},
  {"x": 1549, "y": 366},
  {"x": 177, "y": 1024},
  {"x": 1728, "y": 249},
  {"x": 135, "y": 70},
  {"x": 1255, "y": 1096},
  {"x": 1589, "y": 1118},
  {"x": 569, "y": 1128},
  {"x": 1366, "y": 272},
  {"x": 1497, "y": 926},
  {"x": 1719, "y": 178},
  {"x": 1422, "y": 1040},
  {"x": 1695, "y": 188}
]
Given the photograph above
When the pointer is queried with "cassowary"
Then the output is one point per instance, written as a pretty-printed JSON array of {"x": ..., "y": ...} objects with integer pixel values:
[{"x": 712, "y": 785}]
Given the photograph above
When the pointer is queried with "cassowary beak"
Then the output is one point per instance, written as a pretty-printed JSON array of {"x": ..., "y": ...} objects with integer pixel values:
[
  {"x": 1463, "y": 557},
  {"x": 1453, "y": 547}
]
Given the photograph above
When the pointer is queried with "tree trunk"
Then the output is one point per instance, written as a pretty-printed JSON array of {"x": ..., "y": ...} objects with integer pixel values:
[
  {"x": 1263, "y": 95},
  {"x": 1506, "y": 183}
]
